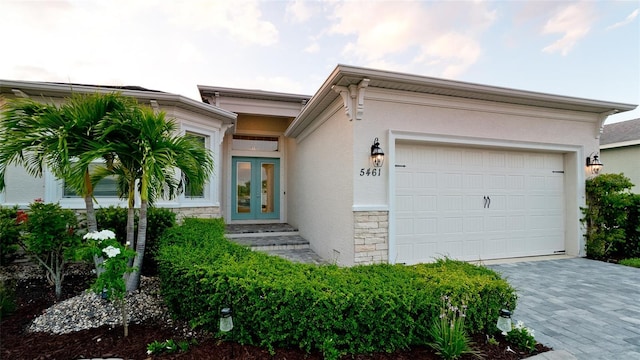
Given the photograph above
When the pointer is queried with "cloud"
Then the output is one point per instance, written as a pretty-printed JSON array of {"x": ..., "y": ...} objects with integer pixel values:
[
  {"x": 573, "y": 22},
  {"x": 242, "y": 20},
  {"x": 626, "y": 21},
  {"x": 440, "y": 37},
  {"x": 299, "y": 11}
]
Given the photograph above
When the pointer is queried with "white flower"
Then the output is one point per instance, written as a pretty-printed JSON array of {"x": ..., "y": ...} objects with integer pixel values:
[
  {"x": 100, "y": 235},
  {"x": 111, "y": 251}
]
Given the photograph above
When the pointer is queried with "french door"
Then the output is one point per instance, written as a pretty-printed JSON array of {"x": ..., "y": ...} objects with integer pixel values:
[{"x": 256, "y": 188}]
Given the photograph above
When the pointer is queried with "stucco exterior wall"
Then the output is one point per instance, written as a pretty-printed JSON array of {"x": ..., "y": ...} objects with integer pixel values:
[
  {"x": 623, "y": 160},
  {"x": 321, "y": 178},
  {"x": 22, "y": 188}
]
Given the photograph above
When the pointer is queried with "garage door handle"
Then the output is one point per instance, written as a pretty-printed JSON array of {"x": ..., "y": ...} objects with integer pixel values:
[{"x": 487, "y": 202}]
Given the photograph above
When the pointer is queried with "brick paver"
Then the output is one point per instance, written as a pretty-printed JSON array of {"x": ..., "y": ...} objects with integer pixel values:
[{"x": 589, "y": 308}]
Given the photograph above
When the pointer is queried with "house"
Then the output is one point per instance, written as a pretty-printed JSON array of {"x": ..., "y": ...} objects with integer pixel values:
[
  {"x": 620, "y": 150},
  {"x": 381, "y": 166}
]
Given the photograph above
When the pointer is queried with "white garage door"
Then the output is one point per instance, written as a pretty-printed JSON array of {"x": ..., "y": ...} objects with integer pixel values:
[{"x": 477, "y": 204}]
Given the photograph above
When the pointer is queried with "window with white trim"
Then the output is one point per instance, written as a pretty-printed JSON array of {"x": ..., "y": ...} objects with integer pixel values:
[
  {"x": 202, "y": 139},
  {"x": 104, "y": 188}
]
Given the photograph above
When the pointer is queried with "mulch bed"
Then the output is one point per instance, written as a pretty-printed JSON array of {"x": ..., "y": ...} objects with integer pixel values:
[{"x": 33, "y": 296}]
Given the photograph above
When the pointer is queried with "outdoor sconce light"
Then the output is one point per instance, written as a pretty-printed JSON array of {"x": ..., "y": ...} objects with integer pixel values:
[
  {"x": 226, "y": 321},
  {"x": 594, "y": 164},
  {"x": 504, "y": 321},
  {"x": 377, "y": 156}
]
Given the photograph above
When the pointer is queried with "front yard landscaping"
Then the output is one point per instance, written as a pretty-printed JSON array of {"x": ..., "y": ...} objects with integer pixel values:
[{"x": 279, "y": 309}]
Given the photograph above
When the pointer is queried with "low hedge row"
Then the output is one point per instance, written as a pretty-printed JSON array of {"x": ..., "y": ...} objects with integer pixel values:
[{"x": 276, "y": 303}]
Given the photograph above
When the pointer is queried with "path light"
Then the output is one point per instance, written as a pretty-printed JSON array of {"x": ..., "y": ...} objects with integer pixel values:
[
  {"x": 504, "y": 321},
  {"x": 226, "y": 321},
  {"x": 377, "y": 155}
]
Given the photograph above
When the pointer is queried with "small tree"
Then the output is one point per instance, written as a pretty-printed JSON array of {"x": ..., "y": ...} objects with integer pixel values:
[{"x": 51, "y": 239}]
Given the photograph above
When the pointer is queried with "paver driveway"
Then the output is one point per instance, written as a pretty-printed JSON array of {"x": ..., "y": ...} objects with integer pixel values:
[{"x": 588, "y": 308}]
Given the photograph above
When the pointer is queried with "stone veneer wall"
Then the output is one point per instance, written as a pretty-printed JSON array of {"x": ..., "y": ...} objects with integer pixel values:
[
  {"x": 208, "y": 212},
  {"x": 371, "y": 236}
]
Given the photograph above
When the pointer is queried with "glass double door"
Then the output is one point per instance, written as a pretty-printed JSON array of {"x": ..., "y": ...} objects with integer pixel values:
[{"x": 256, "y": 188}]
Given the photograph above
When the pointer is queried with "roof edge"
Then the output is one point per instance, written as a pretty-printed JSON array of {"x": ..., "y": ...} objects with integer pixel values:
[{"x": 64, "y": 90}]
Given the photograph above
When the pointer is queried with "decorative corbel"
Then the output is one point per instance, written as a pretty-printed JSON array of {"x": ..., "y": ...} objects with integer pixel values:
[
  {"x": 19, "y": 93},
  {"x": 602, "y": 117},
  {"x": 346, "y": 99},
  {"x": 360, "y": 105},
  {"x": 154, "y": 106},
  {"x": 353, "y": 98},
  {"x": 223, "y": 131}
]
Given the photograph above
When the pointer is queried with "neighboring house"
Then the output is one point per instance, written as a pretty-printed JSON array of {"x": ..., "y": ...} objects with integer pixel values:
[
  {"x": 620, "y": 150},
  {"x": 470, "y": 171}
]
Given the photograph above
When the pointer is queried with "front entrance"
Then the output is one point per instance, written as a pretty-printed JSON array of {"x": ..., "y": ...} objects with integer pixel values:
[{"x": 256, "y": 188}]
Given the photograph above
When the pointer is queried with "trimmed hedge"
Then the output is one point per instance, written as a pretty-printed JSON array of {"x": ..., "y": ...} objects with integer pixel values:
[{"x": 277, "y": 303}]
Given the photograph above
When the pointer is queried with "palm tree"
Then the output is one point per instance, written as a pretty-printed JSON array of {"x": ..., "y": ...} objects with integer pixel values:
[
  {"x": 147, "y": 153},
  {"x": 35, "y": 135}
]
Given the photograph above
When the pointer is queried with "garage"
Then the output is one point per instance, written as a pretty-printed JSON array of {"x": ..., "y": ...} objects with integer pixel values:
[{"x": 474, "y": 203}]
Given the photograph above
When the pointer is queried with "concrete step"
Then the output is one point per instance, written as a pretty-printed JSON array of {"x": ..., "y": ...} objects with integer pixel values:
[
  {"x": 276, "y": 241},
  {"x": 306, "y": 256}
]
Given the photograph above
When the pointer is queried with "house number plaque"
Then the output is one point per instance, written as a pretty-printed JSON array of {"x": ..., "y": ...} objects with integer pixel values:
[{"x": 370, "y": 172}]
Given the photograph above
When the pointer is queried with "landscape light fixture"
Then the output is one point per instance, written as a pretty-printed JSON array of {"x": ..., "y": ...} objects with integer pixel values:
[
  {"x": 226, "y": 320},
  {"x": 377, "y": 155},
  {"x": 504, "y": 321},
  {"x": 594, "y": 164}
]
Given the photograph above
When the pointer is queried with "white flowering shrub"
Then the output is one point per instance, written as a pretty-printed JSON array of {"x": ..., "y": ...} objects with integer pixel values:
[{"x": 522, "y": 337}]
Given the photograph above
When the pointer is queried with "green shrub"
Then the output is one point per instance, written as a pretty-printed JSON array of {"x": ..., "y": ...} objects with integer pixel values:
[
  {"x": 633, "y": 262},
  {"x": 51, "y": 238},
  {"x": 114, "y": 218},
  {"x": 611, "y": 217},
  {"x": 9, "y": 234},
  {"x": 277, "y": 303},
  {"x": 7, "y": 298}
]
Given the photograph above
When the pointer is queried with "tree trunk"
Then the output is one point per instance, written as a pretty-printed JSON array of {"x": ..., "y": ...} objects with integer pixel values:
[
  {"x": 131, "y": 218},
  {"x": 134, "y": 278}
]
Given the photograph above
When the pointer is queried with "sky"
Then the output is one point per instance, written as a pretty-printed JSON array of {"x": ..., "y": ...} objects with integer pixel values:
[{"x": 586, "y": 49}]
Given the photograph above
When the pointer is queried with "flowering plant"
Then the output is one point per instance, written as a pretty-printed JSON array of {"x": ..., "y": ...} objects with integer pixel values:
[
  {"x": 522, "y": 337},
  {"x": 110, "y": 282},
  {"x": 450, "y": 339}
]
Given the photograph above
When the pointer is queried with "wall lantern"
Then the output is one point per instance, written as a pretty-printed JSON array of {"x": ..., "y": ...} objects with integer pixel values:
[
  {"x": 594, "y": 164},
  {"x": 377, "y": 156},
  {"x": 504, "y": 321},
  {"x": 226, "y": 321}
]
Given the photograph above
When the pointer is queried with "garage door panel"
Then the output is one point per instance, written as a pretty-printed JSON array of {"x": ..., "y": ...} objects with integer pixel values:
[{"x": 450, "y": 217}]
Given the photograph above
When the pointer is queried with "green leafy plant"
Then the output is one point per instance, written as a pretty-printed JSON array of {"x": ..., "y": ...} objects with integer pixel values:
[
  {"x": 450, "y": 339},
  {"x": 111, "y": 283},
  {"x": 7, "y": 299},
  {"x": 50, "y": 237},
  {"x": 522, "y": 337},
  {"x": 633, "y": 262},
  {"x": 611, "y": 217},
  {"x": 168, "y": 346},
  {"x": 491, "y": 340},
  {"x": 11, "y": 220}
]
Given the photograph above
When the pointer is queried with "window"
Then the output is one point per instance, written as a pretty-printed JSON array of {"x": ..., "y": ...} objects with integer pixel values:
[
  {"x": 192, "y": 194},
  {"x": 104, "y": 188},
  {"x": 255, "y": 143}
]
